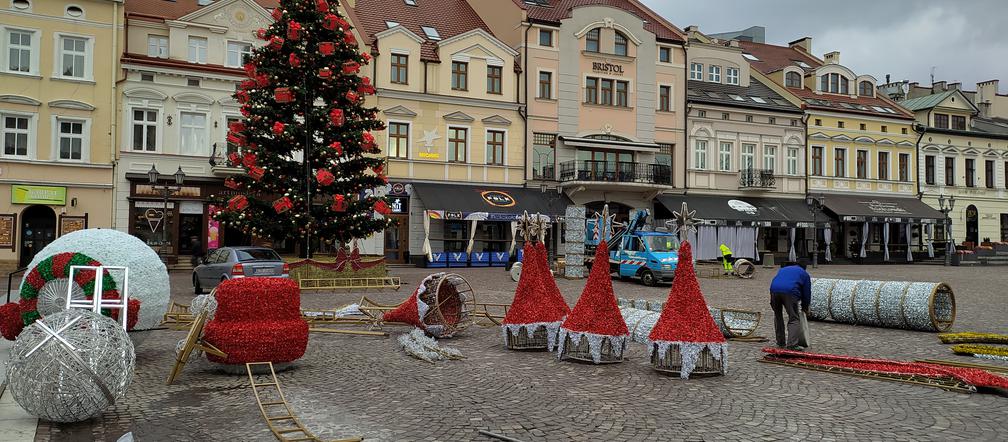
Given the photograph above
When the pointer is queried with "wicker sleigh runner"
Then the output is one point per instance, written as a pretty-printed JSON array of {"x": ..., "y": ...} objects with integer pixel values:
[
  {"x": 594, "y": 331},
  {"x": 538, "y": 309},
  {"x": 685, "y": 340}
]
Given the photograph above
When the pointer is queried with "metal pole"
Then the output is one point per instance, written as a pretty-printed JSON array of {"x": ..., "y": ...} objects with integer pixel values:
[
  {"x": 815, "y": 236},
  {"x": 164, "y": 222},
  {"x": 948, "y": 237},
  {"x": 309, "y": 104}
]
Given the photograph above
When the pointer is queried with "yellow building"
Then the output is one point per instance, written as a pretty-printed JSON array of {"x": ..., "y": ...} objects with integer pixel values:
[{"x": 58, "y": 66}]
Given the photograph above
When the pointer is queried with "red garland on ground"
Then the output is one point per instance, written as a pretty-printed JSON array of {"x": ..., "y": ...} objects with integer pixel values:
[
  {"x": 596, "y": 310},
  {"x": 258, "y": 320},
  {"x": 537, "y": 298},
  {"x": 686, "y": 317}
]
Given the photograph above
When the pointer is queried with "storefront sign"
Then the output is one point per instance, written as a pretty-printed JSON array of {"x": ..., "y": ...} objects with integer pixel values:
[
  {"x": 154, "y": 218},
  {"x": 884, "y": 207},
  {"x": 8, "y": 222},
  {"x": 742, "y": 206},
  {"x": 185, "y": 191},
  {"x": 49, "y": 195},
  {"x": 191, "y": 207},
  {"x": 154, "y": 204},
  {"x": 397, "y": 189},
  {"x": 399, "y": 204},
  {"x": 69, "y": 224},
  {"x": 607, "y": 68},
  {"x": 453, "y": 215},
  {"x": 497, "y": 198},
  {"x": 430, "y": 155}
]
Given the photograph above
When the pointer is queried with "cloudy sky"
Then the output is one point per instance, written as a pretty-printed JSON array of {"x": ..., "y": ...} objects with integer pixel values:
[{"x": 964, "y": 41}]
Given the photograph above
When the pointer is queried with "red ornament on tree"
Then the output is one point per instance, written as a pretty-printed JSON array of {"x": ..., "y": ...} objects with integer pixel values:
[
  {"x": 349, "y": 38},
  {"x": 247, "y": 84},
  {"x": 321, "y": 6},
  {"x": 330, "y": 21},
  {"x": 339, "y": 204},
  {"x": 233, "y": 158},
  {"x": 256, "y": 173},
  {"x": 352, "y": 97},
  {"x": 351, "y": 67},
  {"x": 230, "y": 183},
  {"x": 367, "y": 140},
  {"x": 283, "y": 95},
  {"x": 260, "y": 34},
  {"x": 276, "y": 43},
  {"x": 262, "y": 80},
  {"x": 277, "y": 13},
  {"x": 278, "y": 128},
  {"x": 327, "y": 47},
  {"x": 294, "y": 60},
  {"x": 249, "y": 160},
  {"x": 244, "y": 111},
  {"x": 242, "y": 97},
  {"x": 366, "y": 57},
  {"x": 337, "y": 146},
  {"x": 325, "y": 73},
  {"x": 282, "y": 205},
  {"x": 234, "y": 138},
  {"x": 249, "y": 69},
  {"x": 238, "y": 203},
  {"x": 324, "y": 177},
  {"x": 366, "y": 88},
  {"x": 236, "y": 126},
  {"x": 336, "y": 117},
  {"x": 382, "y": 207},
  {"x": 378, "y": 169},
  {"x": 294, "y": 31}
]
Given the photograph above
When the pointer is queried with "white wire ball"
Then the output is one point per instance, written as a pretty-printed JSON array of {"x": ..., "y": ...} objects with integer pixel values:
[
  {"x": 201, "y": 303},
  {"x": 60, "y": 378}
]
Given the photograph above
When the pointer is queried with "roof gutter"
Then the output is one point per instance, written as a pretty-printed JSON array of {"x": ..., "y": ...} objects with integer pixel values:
[{"x": 804, "y": 121}]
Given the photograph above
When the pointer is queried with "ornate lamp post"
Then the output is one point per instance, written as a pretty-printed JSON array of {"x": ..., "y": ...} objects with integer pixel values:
[
  {"x": 153, "y": 176},
  {"x": 815, "y": 204},
  {"x": 552, "y": 197},
  {"x": 947, "y": 210}
]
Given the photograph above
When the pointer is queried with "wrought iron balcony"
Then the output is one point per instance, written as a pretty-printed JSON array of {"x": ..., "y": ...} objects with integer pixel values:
[
  {"x": 757, "y": 179},
  {"x": 615, "y": 172}
]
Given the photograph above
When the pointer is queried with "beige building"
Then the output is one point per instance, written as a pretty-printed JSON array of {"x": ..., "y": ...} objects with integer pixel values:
[
  {"x": 58, "y": 67},
  {"x": 990, "y": 102}
]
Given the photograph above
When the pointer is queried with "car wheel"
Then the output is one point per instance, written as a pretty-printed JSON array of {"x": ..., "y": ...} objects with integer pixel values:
[
  {"x": 196, "y": 285},
  {"x": 647, "y": 278}
]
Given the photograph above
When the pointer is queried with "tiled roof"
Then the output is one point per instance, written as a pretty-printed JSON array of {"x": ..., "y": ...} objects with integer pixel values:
[
  {"x": 991, "y": 126},
  {"x": 172, "y": 9},
  {"x": 448, "y": 17},
  {"x": 857, "y": 105},
  {"x": 721, "y": 94},
  {"x": 552, "y": 11},
  {"x": 773, "y": 58}
]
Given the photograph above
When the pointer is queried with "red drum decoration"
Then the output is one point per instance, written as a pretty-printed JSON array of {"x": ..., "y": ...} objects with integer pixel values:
[
  {"x": 238, "y": 203},
  {"x": 336, "y": 117},
  {"x": 339, "y": 204},
  {"x": 278, "y": 128},
  {"x": 351, "y": 67},
  {"x": 324, "y": 177},
  {"x": 256, "y": 173},
  {"x": 294, "y": 31},
  {"x": 257, "y": 320}
]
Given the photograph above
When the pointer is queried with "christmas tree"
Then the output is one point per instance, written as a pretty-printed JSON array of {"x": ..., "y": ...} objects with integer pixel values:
[{"x": 307, "y": 149}]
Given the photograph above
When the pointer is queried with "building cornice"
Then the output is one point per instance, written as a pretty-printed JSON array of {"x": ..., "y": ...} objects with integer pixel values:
[{"x": 446, "y": 99}]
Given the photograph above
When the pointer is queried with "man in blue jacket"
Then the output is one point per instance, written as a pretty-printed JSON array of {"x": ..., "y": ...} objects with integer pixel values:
[{"x": 790, "y": 287}]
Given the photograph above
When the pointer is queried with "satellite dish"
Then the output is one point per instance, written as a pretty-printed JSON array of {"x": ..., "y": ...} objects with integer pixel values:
[{"x": 516, "y": 269}]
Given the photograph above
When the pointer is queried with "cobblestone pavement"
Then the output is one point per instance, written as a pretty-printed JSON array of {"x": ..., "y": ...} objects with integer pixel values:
[{"x": 356, "y": 385}]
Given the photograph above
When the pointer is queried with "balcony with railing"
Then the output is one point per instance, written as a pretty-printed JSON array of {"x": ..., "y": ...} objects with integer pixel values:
[
  {"x": 757, "y": 179},
  {"x": 615, "y": 172}
]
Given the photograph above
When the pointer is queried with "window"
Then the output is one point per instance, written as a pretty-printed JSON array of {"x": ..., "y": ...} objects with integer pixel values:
[
  {"x": 834, "y": 83},
  {"x": 400, "y": 69},
  {"x": 958, "y": 122},
  {"x": 145, "y": 129},
  {"x": 410, "y": 2},
  {"x": 772, "y": 120},
  {"x": 700, "y": 155},
  {"x": 591, "y": 90},
  {"x": 74, "y": 11},
  {"x": 750, "y": 57},
  {"x": 193, "y": 82},
  {"x": 732, "y": 76},
  {"x": 839, "y": 162},
  {"x": 862, "y": 164},
  {"x": 941, "y": 121},
  {"x": 157, "y": 46},
  {"x": 21, "y": 4},
  {"x": 970, "y": 172},
  {"x": 665, "y": 55},
  {"x": 15, "y": 136},
  {"x": 494, "y": 75},
  {"x": 193, "y": 130},
  {"x": 545, "y": 37},
  {"x": 621, "y": 93},
  {"x": 904, "y": 167},
  {"x": 702, "y": 113},
  {"x": 792, "y": 161},
  {"x": 495, "y": 147},
  {"x": 70, "y": 139},
  {"x": 605, "y": 97},
  {"x": 929, "y": 169},
  {"x": 840, "y": 124},
  {"x": 817, "y": 161},
  {"x": 197, "y": 50},
  {"x": 950, "y": 171},
  {"x": 863, "y": 126},
  {"x": 818, "y": 122},
  {"x": 748, "y": 156},
  {"x": 146, "y": 76},
  {"x": 238, "y": 53},
  {"x": 391, "y": 24},
  {"x": 725, "y": 116},
  {"x": 544, "y": 156},
  {"x": 883, "y": 165},
  {"x": 884, "y": 129},
  {"x": 19, "y": 51},
  {"x": 724, "y": 156},
  {"x": 592, "y": 40},
  {"x": 457, "y": 140},
  {"x": 664, "y": 155},
  {"x": 620, "y": 44},
  {"x": 460, "y": 76},
  {"x": 398, "y": 140},
  {"x": 794, "y": 122},
  {"x": 665, "y": 98},
  {"x": 431, "y": 33},
  {"x": 73, "y": 56},
  {"x": 748, "y": 119},
  {"x": 546, "y": 85},
  {"x": 769, "y": 157},
  {"x": 903, "y": 130},
  {"x": 714, "y": 74},
  {"x": 696, "y": 71},
  {"x": 792, "y": 79},
  {"x": 865, "y": 89}
]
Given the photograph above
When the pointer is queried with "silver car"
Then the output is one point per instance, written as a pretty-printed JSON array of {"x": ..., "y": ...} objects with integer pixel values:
[{"x": 237, "y": 262}]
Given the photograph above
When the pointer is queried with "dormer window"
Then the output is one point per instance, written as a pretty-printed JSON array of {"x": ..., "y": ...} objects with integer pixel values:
[
  {"x": 714, "y": 74},
  {"x": 732, "y": 76},
  {"x": 620, "y": 45},
  {"x": 432, "y": 34},
  {"x": 802, "y": 64},
  {"x": 749, "y": 56},
  {"x": 592, "y": 40},
  {"x": 792, "y": 79},
  {"x": 391, "y": 24},
  {"x": 834, "y": 84},
  {"x": 865, "y": 89},
  {"x": 696, "y": 71}
]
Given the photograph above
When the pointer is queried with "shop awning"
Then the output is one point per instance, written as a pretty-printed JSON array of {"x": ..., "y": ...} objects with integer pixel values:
[
  {"x": 871, "y": 208},
  {"x": 746, "y": 211},
  {"x": 492, "y": 203}
]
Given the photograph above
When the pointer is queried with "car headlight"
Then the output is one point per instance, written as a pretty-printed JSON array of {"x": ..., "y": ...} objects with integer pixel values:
[{"x": 666, "y": 267}]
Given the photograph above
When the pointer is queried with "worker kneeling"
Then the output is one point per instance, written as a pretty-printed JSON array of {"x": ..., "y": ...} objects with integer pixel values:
[{"x": 726, "y": 259}]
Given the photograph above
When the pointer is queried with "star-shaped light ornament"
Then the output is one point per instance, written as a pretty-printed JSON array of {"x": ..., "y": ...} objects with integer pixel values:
[
  {"x": 603, "y": 224},
  {"x": 539, "y": 226},
  {"x": 684, "y": 221},
  {"x": 525, "y": 227}
]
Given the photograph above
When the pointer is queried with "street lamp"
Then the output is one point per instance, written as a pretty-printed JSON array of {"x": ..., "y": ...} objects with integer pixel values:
[
  {"x": 551, "y": 198},
  {"x": 948, "y": 225},
  {"x": 153, "y": 176},
  {"x": 815, "y": 204}
]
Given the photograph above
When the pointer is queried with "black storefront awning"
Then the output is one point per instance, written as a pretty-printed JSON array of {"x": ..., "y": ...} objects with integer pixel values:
[
  {"x": 854, "y": 208},
  {"x": 746, "y": 211},
  {"x": 492, "y": 203}
]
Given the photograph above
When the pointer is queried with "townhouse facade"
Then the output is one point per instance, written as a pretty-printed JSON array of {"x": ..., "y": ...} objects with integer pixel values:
[{"x": 58, "y": 65}]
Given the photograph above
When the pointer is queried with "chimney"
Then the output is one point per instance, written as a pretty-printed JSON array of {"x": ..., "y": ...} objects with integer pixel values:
[
  {"x": 733, "y": 43},
  {"x": 886, "y": 78},
  {"x": 691, "y": 31},
  {"x": 804, "y": 44},
  {"x": 937, "y": 86},
  {"x": 954, "y": 86},
  {"x": 832, "y": 57}
]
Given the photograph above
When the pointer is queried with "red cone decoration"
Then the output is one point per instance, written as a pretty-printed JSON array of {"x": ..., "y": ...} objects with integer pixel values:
[
  {"x": 686, "y": 321},
  {"x": 596, "y": 314},
  {"x": 537, "y": 301}
]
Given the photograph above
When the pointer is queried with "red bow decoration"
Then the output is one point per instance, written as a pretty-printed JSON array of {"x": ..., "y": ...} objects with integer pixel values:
[
  {"x": 282, "y": 205},
  {"x": 277, "y": 13},
  {"x": 238, "y": 203},
  {"x": 256, "y": 173},
  {"x": 294, "y": 60},
  {"x": 349, "y": 38},
  {"x": 278, "y": 128},
  {"x": 354, "y": 259},
  {"x": 325, "y": 73},
  {"x": 230, "y": 183},
  {"x": 351, "y": 67},
  {"x": 260, "y": 34},
  {"x": 321, "y": 6},
  {"x": 339, "y": 204},
  {"x": 382, "y": 207},
  {"x": 337, "y": 146},
  {"x": 330, "y": 21},
  {"x": 294, "y": 31},
  {"x": 352, "y": 96},
  {"x": 276, "y": 42},
  {"x": 327, "y": 47},
  {"x": 336, "y": 117},
  {"x": 249, "y": 160},
  {"x": 324, "y": 177}
]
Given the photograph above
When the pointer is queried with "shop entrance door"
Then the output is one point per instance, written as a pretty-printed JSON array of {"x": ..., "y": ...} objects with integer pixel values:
[
  {"x": 1004, "y": 227},
  {"x": 972, "y": 225},
  {"x": 397, "y": 241},
  {"x": 38, "y": 229},
  {"x": 190, "y": 226}
]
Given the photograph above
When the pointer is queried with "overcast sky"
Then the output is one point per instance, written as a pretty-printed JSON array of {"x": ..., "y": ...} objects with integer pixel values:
[{"x": 965, "y": 41}]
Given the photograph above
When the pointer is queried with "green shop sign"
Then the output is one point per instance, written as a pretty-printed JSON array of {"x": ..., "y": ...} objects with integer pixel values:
[{"x": 49, "y": 195}]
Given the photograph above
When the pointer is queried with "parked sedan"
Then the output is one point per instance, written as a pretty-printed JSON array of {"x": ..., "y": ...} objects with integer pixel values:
[{"x": 237, "y": 262}]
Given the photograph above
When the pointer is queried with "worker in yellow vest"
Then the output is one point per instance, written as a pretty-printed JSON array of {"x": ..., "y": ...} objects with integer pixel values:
[{"x": 726, "y": 259}]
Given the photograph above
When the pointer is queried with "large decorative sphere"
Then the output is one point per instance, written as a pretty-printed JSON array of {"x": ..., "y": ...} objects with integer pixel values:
[
  {"x": 148, "y": 276},
  {"x": 76, "y": 374}
]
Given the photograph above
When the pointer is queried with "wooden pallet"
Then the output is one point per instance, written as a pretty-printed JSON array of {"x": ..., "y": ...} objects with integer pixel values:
[
  {"x": 277, "y": 412},
  {"x": 383, "y": 282}
]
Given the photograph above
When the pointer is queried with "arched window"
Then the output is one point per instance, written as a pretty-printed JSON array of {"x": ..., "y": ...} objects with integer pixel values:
[
  {"x": 865, "y": 89},
  {"x": 620, "y": 46},
  {"x": 592, "y": 40},
  {"x": 792, "y": 79},
  {"x": 834, "y": 83}
]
